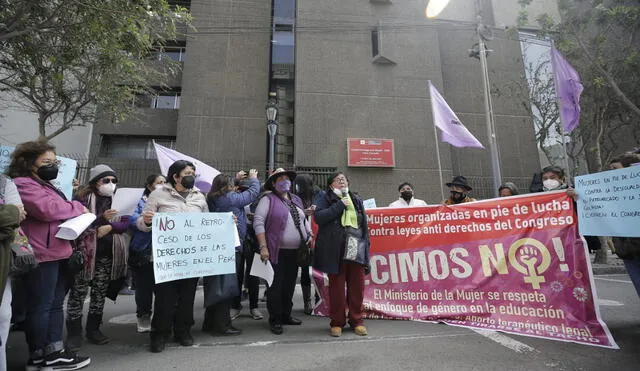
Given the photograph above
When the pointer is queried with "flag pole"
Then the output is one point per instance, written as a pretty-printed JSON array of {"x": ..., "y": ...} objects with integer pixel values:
[
  {"x": 563, "y": 133},
  {"x": 435, "y": 137}
]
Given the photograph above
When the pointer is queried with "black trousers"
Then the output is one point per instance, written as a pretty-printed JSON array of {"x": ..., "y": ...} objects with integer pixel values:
[
  {"x": 174, "y": 306},
  {"x": 280, "y": 294},
  {"x": 217, "y": 317},
  {"x": 145, "y": 282},
  {"x": 243, "y": 267}
]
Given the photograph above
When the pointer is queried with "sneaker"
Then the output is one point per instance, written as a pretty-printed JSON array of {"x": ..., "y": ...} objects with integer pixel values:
[
  {"x": 360, "y": 330},
  {"x": 256, "y": 314},
  {"x": 144, "y": 324},
  {"x": 336, "y": 332},
  {"x": 34, "y": 364},
  {"x": 127, "y": 291},
  {"x": 234, "y": 313},
  {"x": 65, "y": 360}
]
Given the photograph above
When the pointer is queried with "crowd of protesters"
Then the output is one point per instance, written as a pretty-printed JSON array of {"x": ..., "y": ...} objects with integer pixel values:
[{"x": 285, "y": 221}]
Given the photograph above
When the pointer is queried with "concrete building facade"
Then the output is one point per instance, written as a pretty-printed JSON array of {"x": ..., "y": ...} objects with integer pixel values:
[{"x": 341, "y": 69}]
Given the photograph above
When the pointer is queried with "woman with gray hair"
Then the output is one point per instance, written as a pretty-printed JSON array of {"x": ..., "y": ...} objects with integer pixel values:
[{"x": 508, "y": 189}]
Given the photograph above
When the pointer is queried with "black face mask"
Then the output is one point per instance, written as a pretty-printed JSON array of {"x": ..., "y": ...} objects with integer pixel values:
[
  {"x": 406, "y": 195},
  {"x": 457, "y": 196},
  {"x": 47, "y": 173},
  {"x": 188, "y": 181}
]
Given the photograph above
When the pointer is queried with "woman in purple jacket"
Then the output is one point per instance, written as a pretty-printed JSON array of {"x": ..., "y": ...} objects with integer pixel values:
[
  {"x": 108, "y": 259},
  {"x": 33, "y": 166}
]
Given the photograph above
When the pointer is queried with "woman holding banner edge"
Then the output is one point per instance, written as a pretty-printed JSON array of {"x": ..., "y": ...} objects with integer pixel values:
[{"x": 173, "y": 305}]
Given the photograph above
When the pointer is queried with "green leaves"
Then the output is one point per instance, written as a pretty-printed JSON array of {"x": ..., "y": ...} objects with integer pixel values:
[{"x": 66, "y": 57}]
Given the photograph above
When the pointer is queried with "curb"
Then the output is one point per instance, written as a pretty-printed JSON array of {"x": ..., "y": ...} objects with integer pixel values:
[{"x": 597, "y": 271}]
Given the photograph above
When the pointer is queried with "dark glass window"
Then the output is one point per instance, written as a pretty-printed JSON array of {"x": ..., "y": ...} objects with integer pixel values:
[{"x": 120, "y": 146}]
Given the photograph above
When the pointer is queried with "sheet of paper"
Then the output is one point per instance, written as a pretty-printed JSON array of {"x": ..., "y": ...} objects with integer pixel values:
[
  {"x": 236, "y": 237},
  {"x": 126, "y": 200},
  {"x": 261, "y": 269},
  {"x": 72, "y": 228},
  {"x": 370, "y": 203}
]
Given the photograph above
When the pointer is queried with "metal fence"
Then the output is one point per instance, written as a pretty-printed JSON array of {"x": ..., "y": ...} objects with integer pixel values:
[
  {"x": 483, "y": 186},
  {"x": 134, "y": 172}
]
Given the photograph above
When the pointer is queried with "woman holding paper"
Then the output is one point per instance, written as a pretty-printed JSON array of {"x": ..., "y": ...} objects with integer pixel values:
[
  {"x": 141, "y": 257},
  {"x": 173, "y": 306},
  {"x": 223, "y": 198},
  {"x": 33, "y": 166},
  {"x": 281, "y": 228},
  {"x": 341, "y": 219},
  {"x": 108, "y": 241}
]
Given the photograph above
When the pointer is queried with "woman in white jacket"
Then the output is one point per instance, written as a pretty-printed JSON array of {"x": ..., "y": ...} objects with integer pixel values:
[{"x": 173, "y": 304}]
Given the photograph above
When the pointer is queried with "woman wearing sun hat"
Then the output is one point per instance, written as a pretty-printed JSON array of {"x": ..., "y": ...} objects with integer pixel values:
[{"x": 280, "y": 227}]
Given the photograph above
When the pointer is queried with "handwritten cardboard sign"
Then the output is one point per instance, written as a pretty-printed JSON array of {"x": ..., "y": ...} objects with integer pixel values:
[
  {"x": 609, "y": 203},
  {"x": 189, "y": 245}
]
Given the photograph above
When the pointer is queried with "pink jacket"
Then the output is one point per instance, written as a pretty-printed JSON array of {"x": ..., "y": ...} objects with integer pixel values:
[{"x": 46, "y": 210}]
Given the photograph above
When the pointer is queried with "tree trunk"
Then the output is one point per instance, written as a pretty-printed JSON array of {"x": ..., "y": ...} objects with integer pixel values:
[{"x": 42, "y": 124}]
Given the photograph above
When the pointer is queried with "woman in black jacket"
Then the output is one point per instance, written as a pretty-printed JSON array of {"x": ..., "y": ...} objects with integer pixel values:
[{"x": 339, "y": 213}]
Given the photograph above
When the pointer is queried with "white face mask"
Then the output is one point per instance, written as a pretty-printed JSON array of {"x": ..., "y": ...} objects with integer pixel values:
[
  {"x": 551, "y": 184},
  {"x": 338, "y": 191},
  {"x": 158, "y": 186},
  {"x": 107, "y": 189}
]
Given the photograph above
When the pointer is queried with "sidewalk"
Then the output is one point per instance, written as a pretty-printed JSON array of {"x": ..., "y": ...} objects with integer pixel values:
[{"x": 614, "y": 265}]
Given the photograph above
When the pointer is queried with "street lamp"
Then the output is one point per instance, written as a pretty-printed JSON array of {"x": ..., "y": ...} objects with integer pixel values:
[
  {"x": 433, "y": 9},
  {"x": 272, "y": 127}
]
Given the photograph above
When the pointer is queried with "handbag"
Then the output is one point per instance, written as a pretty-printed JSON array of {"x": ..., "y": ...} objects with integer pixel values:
[
  {"x": 219, "y": 288},
  {"x": 23, "y": 260},
  {"x": 355, "y": 246},
  {"x": 303, "y": 253}
]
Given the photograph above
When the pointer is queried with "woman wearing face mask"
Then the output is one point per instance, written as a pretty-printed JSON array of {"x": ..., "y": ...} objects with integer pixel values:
[
  {"x": 553, "y": 179},
  {"x": 460, "y": 189},
  {"x": 108, "y": 261},
  {"x": 223, "y": 198},
  {"x": 406, "y": 197},
  {"x": 280, "y": 226},
  {"x": 33, "y": 166},
  {"x": 173, "y": 305},
  {"x": 141, "y": 257},
  {"x": 337, "y": 210}
]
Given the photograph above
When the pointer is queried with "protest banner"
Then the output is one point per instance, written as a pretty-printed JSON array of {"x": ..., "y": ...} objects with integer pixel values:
[
  {"x": 66, "y": 170},
  {"x": 609, "y": 203},
  {"x": 5, "y": 157},
  {"x": 188, "y": 245},
  {"x": 514, "y": 264}
]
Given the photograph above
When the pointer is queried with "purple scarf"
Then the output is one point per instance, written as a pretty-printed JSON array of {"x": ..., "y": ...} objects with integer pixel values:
[{"x": 276, "y": 222}]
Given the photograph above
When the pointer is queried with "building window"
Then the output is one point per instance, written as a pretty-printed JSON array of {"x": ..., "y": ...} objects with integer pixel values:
[
  {"x": 120, "y": 146},
  {"x": 177, "y": 53},
  {"x": 169, "y": 100},
  {"x": 375, "y": 41},
  {"x": 283, "y": 48},
  {"x": 182, "y": 3},
  {"x": 162, "y": 100}
]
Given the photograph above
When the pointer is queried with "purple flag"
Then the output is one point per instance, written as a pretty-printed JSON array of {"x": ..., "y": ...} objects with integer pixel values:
[
  {"x": 453, "y": 132},
  {"x": 568, "y": 90},
  {"x": 204, "y": 172}
]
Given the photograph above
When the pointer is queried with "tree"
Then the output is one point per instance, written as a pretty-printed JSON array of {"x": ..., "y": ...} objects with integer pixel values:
[
  {"x": 600, "y": 40},
  {"x": 65, "y": 60}
]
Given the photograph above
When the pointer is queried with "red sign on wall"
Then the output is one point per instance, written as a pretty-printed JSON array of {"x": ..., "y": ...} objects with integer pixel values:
[{"x": 370, "y": 152}]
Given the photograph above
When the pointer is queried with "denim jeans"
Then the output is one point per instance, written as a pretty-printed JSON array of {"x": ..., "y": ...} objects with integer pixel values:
[
  {"x": 47, "y": 286},
  {"x": 633, "y": 268}
]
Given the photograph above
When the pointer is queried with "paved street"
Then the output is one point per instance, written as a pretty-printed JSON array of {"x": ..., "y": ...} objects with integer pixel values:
[{"x": 392, "y": 345}]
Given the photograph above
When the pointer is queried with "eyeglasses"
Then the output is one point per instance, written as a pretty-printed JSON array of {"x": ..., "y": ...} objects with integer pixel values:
[
  {"x": 51, "y": 163},
  {"x": 109, "y": 180},
  {"x": 340, "y": 180}
]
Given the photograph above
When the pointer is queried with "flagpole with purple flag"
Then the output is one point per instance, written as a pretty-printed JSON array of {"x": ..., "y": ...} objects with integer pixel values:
[
  {"x": 453, "y": 131},
  {"x": 568, "y": 91}
]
